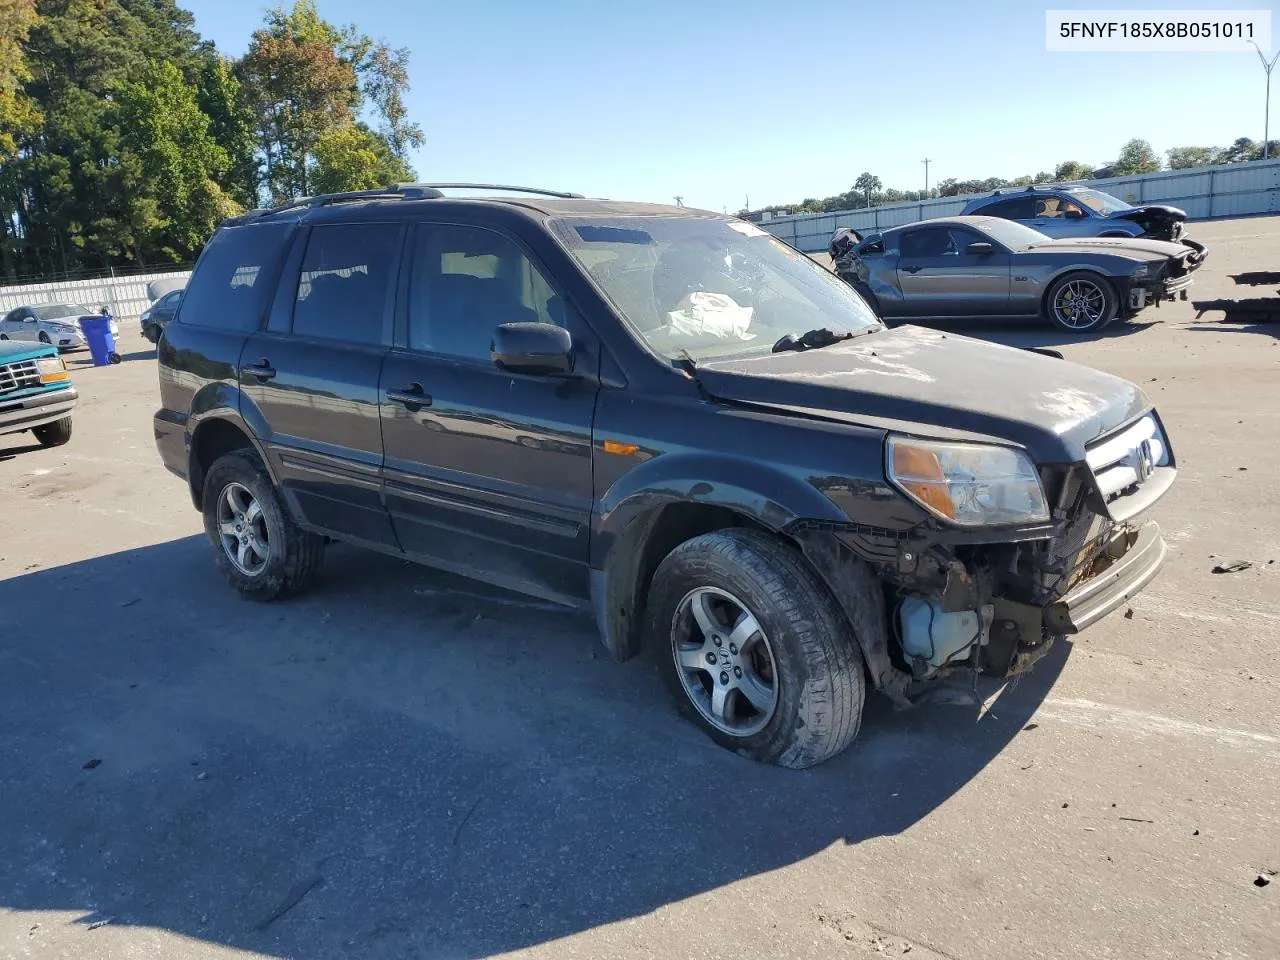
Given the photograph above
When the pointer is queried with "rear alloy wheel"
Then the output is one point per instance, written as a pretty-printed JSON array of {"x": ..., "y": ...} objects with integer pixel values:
[
  {"x": 259, "y": 546},
  {"x": 1082, "y": 302},
  {"x": 755, "y": 649}
]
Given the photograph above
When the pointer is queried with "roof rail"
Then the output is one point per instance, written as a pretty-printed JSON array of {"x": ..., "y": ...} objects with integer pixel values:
[{"x": 493, "y": 186}]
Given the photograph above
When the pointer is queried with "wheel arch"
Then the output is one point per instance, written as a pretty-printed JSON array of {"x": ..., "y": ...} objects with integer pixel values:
[
  {"x": 650, "y": 512},
  {"x": 217, "y": 426}
]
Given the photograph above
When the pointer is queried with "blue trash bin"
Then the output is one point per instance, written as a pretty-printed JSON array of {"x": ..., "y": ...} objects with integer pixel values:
[{"x": 102, "y": 345}]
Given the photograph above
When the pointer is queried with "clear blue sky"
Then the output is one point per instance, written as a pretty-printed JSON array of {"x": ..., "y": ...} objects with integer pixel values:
[{"x": 718, "y": 100}]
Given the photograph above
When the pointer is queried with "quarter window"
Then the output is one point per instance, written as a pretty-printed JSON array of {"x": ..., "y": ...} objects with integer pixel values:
[
  {"x": 227, "y": 288},
  {"x": 344, "y": 288},
  {"x": 466, "y": 281}
]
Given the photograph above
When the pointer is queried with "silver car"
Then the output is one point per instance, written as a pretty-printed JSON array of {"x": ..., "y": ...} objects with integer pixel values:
[
  {"x": 987, "y": 267},
  {"x": 1075, "y": 211},
  {"x": 53, "y": 323}
]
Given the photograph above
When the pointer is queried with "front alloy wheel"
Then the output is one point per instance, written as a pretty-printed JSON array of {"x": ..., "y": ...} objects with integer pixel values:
[
  {"x": 726, "y": 663},
  {"x": 1082, "y": 302}
]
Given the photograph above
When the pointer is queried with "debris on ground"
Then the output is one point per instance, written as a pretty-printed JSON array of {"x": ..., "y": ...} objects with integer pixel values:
[
  {"x": 1195, "y": 833},
  {"x": 1234, "y": 566},
  {"x": 92, "y": 764},
  {"x": 1128, "y": 614},
  {"x": 100, "y": 923},
  {"x": 202, "y": 775},
  {"x": 1261, "y": 880},
  {"x": 291, "y": 899},
  {"x": 1137, "y": 820}
]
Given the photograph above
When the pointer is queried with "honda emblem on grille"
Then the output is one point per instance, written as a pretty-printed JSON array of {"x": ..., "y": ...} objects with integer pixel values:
[{"x": 1146, "y": 464}]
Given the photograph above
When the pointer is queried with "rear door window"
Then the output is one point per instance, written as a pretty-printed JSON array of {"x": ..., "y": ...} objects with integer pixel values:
[
  {"x": 344, "y": 289},
  {"x": 229, "y": 287}
]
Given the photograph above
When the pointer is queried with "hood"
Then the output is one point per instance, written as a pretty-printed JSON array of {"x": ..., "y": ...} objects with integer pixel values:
[
  {"x": 940, "y": 385},
  {"x": 1135, "y": 248},
  {"x": 1151, "y": 211},
  {"x": 11, "y": 350}
]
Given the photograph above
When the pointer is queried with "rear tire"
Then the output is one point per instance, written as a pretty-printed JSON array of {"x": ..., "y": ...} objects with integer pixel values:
[
  {"x": 53, "y": 434},
  {"x": 796, "y": 699},
  {"x": 1082, "y": 302},
  {"x": 242, "y": 508}
]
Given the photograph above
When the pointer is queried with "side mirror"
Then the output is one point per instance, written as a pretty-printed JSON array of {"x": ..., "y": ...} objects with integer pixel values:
[
  {"x": 540, "y": 348},
  {"x": 979, "y": 249}
]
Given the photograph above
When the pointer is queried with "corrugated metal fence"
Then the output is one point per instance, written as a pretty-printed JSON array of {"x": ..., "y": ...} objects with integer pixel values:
[
  {"x": 126, "y": 297},
  {"x": 1226, "y": 190}
]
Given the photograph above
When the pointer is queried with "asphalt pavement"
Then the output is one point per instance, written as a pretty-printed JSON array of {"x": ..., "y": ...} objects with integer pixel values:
[{"x": 406, "y": 764}]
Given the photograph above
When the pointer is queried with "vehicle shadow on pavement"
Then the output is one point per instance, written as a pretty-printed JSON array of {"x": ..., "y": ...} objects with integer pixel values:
[
  {"x": 8, "y": 453},
  {"x": 401, "y": 763}
]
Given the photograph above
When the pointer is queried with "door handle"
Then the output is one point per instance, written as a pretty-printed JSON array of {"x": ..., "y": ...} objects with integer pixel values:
[
  {"x": 262, "y": 369},
  {"x": 910, "y": 269},
  {"x": 413, "y": 396}
]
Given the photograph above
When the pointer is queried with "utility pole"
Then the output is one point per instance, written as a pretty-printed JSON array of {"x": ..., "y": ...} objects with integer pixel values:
[
  {"x": 747, "y": 198},
  {"x": 1266, "y": 123},
  {"x": 679, "y": 200},
  {"x": 926, "y": 161}
]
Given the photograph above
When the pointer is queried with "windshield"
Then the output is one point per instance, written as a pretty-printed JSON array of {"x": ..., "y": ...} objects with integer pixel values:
[
  {"x": 58, "y": 311},
  {"x": 1015, "y": 236},
  {"x": 1099, "y": 202},
  {"x": 696, "y": 288}
]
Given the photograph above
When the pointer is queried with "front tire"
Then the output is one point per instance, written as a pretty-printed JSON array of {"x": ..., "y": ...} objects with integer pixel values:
[
  {"x": 44, "y": 338},
  {"x": 53, "y": 434},
  {"x": 1082, "y": 302},
  {"x": 787, "y": 683},
  {"x": 258, "y": 546}
]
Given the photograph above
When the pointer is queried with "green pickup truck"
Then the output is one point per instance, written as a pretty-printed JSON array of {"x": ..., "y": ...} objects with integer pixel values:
[{"x": 35, "y": 392}]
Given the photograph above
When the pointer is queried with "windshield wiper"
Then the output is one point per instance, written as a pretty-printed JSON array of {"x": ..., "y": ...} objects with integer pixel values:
[{"x": 822, "y": 337}]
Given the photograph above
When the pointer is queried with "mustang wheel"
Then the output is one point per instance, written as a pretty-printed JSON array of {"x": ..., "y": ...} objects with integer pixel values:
[
  {"x": 755, "y": 648},
  {"x": 1082, "y": 302}
]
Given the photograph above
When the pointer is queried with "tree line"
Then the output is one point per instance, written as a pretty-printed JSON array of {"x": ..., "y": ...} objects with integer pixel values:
[
  {"x": 1135, "y": 157},
  {"x": 125, "y": 137}
]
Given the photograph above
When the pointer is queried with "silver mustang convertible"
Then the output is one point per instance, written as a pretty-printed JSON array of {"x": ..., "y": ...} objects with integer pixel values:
[{"x": 990, "y": 267}]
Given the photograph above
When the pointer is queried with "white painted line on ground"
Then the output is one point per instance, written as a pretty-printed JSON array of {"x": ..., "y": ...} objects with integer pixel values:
[{"x": 1086, "y": 713}]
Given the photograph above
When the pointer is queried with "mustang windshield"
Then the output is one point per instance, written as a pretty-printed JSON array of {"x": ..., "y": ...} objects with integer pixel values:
[
  {"x": 1099, "y": 202},
  {"x": 696, "y": 288}
]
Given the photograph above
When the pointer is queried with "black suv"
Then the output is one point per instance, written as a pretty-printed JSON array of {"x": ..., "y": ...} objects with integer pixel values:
[{"x": 667, "y": 417}]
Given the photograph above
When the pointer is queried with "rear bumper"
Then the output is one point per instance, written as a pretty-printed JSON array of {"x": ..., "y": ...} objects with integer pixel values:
[
  {"x": 1115, "y": 586},
  {"x": 37, "y": 409},
  {"x": 171, "y": 441}
]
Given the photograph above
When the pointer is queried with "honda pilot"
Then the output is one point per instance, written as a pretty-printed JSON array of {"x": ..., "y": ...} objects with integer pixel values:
[{"x": 665, "y": 417}]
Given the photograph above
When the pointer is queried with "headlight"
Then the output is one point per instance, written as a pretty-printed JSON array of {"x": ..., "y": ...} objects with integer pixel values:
[
  {"x": 52, "y": 370},
  {"x": 1140, "y": 271},
  {"x": 970, "y": 484}
]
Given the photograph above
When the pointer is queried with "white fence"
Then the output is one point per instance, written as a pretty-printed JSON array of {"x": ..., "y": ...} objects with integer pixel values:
[
  {"x": 1226, "y": 190},
  {"x": 125, "y": 297}
]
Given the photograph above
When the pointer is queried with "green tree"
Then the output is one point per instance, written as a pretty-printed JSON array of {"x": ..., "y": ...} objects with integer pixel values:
[
  {"x": 1181, "y": 158},
  {"x": 386, "y": 81},
  {"x": 181, "y": 162},
  {"x": 1073, "y": 170},
  {"x": 353, "y": 157},
  {"x": 1136, "y": 156},
  {"x": 302, "y": 84},
  {"x": 868, "y": 183},
  {"x": 222, "y": 99}
]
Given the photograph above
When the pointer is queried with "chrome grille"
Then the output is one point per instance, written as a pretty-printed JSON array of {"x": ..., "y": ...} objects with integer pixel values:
[
  {"x": 18, "y": 376},
  {"x": 1126, "y": 459}
]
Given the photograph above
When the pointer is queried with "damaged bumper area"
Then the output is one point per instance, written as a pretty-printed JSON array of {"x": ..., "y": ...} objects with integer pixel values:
[
  {"x": 993, "y": 602},
  {"x": 1169, "y": 282}
]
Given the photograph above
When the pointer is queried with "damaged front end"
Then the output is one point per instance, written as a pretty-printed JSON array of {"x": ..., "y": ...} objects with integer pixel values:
[
  {"x": 959, "y": 602},
  {"x": 1168, "y": 281}
]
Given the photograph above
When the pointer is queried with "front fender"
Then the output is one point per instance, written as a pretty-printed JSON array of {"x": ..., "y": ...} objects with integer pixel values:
[{"x": 765, "y": 493}]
